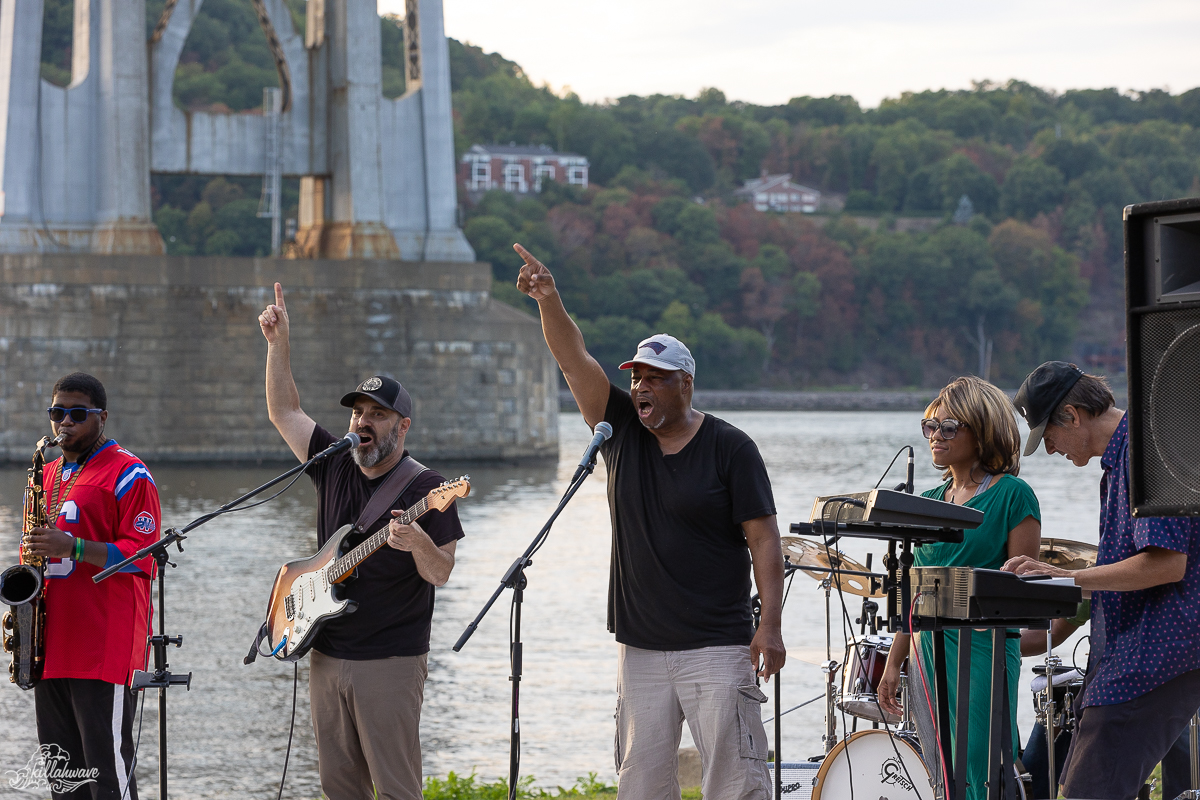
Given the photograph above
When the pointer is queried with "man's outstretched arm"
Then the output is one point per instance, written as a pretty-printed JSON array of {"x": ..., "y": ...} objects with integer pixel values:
[
  {"x": 584, "y": 375},
  {"x": 283, "y": 399}
]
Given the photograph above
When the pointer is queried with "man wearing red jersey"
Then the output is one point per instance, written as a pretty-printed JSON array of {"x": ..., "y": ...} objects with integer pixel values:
[{"x": 105, "y": 507}]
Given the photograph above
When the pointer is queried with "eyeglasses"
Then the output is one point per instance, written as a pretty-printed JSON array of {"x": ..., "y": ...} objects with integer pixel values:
[
  {"x": 78, "y": 415},
  {"x": 948, "y": 427}
]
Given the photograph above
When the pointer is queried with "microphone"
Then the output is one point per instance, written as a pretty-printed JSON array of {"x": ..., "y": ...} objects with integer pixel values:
[
  {"x": 908, "y": 486},
  {"x": 347, "y": 441},
  {"x": 602, "y": 432}
]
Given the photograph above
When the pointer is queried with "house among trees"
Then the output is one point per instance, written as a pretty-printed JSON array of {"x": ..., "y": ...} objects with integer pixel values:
[
  {"x": 778, "y": 193},
  {"x": 519, "y": 168}
]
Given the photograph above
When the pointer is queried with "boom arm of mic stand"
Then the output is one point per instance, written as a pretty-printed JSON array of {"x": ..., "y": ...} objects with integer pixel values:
[
  {"x": 176, "y": 536},
  {"x": 514, "y": 571}
]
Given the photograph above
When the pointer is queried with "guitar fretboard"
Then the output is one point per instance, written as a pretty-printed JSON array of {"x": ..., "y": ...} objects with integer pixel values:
[{"x": 343, "y": 566}]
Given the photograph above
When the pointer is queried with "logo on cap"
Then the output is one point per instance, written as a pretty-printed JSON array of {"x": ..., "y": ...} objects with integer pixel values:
[
  {"x": 657, "y": 347},
  {"x": 371, "y": 384}
]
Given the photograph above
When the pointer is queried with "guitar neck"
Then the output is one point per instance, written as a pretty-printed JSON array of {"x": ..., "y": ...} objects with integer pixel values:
[{"x": 343, "y": 566}]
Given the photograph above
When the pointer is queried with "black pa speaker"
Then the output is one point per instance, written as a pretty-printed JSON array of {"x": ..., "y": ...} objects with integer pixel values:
[{"x": 1162, "y": 303}]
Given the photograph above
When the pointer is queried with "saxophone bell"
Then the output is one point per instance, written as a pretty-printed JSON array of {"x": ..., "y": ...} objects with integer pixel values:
[{"x": 20, "y": 584}]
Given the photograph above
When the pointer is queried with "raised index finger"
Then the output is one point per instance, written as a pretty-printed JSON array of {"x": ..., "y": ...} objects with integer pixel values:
[
  {"x": 528, "y": 256},
  {"x": 279, "y": 295}
]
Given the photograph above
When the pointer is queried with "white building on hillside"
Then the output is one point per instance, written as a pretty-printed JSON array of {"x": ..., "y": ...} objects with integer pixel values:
[
  {"x": 519, "y": 168},
  {"x": 778, "y": 193}
]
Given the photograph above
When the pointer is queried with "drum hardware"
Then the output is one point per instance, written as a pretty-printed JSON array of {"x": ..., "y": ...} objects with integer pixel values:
[
  {"x": 1194, "y": 756},
  {"x": 1052, "y": 663}
]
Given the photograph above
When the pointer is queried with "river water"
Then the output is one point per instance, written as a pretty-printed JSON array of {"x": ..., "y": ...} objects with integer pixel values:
[{"x": 228, "y": 733}]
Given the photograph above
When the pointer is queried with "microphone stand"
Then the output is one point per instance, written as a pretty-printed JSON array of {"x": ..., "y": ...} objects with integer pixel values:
[
  {"x": 161, "y": 678},
  {"x": 515, "y": 579}
]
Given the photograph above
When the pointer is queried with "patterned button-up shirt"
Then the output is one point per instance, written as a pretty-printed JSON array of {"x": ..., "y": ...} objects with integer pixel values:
[{"x": 1152, "y": 635}]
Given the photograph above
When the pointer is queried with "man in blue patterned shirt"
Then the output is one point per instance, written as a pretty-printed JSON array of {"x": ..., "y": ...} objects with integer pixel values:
[{"x": 1143, "y": 682}]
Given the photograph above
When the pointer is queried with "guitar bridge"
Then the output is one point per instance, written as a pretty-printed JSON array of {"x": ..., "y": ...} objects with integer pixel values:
[{"x": 289, "y": 607}]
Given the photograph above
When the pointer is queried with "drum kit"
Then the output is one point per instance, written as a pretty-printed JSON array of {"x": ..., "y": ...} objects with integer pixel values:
[{"x": 886, "y": 759}]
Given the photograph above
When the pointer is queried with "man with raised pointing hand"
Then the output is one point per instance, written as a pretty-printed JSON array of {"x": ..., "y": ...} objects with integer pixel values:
[
  {"x": 692, "y": 511},
  {"x": 368, "y": 668}
]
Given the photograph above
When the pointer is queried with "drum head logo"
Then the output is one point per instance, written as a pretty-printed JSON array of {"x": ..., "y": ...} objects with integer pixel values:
[
  {"x": 893, "y": 772},
  {"x": 370, "y": 385},
  {"x": 144, "y": 523}
]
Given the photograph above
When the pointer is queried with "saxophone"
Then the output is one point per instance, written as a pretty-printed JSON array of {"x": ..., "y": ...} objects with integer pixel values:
[{"x": 22, "y": 585}]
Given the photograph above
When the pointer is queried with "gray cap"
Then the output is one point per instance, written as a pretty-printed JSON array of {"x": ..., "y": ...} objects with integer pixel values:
[{"x": 665, "y": 352}]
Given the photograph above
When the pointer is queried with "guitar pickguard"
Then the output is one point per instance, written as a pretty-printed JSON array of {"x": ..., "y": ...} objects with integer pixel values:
[{"x": 311, "y": 601}]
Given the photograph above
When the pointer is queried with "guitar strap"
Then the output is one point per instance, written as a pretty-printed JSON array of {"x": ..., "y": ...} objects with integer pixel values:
[{"x": 381, "y": 502}]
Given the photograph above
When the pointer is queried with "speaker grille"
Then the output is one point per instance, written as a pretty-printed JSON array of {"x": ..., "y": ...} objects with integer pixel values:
[{"x": 1170, "y": 352}]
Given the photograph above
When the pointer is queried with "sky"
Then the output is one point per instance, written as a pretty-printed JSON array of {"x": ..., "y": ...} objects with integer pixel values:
[{"x": 767, "y": 51}]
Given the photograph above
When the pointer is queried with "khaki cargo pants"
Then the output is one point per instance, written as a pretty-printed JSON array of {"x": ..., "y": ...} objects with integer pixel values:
[{"x": 713, "y": 689}]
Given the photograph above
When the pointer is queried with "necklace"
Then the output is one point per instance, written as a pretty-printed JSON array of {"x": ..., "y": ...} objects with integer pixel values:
[{"x": 58, "y": 501}]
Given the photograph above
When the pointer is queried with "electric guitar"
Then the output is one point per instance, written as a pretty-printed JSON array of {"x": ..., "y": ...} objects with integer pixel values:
[{"x": 308, "y": 592}]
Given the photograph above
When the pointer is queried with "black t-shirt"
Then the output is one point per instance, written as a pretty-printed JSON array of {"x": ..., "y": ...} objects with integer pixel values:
[
  {"x": 680, "y": 576},
  {"x": 395, "y": 604}
]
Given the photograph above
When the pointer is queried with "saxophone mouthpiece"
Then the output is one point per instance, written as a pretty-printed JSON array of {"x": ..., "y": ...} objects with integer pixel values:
[{"x": 57, "y": 440}]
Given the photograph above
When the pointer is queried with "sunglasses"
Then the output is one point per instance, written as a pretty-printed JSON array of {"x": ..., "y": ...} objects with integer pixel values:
[
  {"x": 78, "y": 415},
  {"x": 947, "y": 427}
]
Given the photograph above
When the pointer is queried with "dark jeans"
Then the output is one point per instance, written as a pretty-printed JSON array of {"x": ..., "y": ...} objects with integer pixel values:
[
  {"x": 1116, "y": 747},
  {"x": 1035, "y": 759},
  {"x": 1176, "y": 764}
]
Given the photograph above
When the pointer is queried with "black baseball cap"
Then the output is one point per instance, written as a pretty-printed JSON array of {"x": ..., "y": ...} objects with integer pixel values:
[
  {"x": 1040, "y": 394},
  {"x": 383, "y": 390}
]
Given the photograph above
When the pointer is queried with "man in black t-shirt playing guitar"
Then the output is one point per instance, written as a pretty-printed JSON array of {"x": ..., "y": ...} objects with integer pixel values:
[
  {"x": 368, "y": 668},
  {"x": 692, "y": 512}
]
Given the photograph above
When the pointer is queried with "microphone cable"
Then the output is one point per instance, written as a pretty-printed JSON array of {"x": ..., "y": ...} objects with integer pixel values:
[
  {"x": 891, "y": 464},
  {"x": 141, "y": 705},
  {"x": 287, "y": 755}
]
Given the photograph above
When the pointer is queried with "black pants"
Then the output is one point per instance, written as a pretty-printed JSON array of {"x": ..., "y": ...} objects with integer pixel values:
[
  {"x": 85, "y": 728},
  {"x": 1116, "y": 747}
]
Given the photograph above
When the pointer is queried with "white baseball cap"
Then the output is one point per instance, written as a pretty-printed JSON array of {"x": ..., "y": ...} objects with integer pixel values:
[{"x": 665, "y": 352}]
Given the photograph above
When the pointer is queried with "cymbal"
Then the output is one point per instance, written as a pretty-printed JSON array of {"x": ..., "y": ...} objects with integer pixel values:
[
  {"x": 1067, "y": 554},
  {"x": 807, "y": 553}
]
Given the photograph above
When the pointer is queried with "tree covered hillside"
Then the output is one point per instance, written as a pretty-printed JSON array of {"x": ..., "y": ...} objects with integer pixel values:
[
  {"x": 1028, "y": 269},
  {"x": 1035, "y": 273}
]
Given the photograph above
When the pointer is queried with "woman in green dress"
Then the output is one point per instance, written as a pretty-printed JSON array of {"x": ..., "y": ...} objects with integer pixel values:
[{"x": 974, "y": 439}]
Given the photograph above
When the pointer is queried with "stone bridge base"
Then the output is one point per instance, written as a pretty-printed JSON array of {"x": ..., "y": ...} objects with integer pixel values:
[{"x": 177, "y": 344}]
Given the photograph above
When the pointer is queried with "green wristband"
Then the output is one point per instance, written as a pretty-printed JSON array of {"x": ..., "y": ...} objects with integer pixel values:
[{"x": 78, "y": 549}]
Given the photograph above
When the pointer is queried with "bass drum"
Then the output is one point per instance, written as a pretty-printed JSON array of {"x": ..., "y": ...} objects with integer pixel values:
[{"x": 878, "y": 764}]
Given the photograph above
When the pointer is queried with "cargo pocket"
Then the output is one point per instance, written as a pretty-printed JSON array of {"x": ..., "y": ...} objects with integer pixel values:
[
  {"x": 752, "y": 736},
  {"x": 618, "y": 739}
]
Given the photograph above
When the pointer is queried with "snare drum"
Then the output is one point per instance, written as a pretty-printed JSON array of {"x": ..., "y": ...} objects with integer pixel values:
[
  {"x": 864, "y": 665},
  {"x": 873, "y": 764}
]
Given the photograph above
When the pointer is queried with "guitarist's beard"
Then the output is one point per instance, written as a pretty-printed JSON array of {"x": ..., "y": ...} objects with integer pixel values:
[{"x": 379, "y": 450}]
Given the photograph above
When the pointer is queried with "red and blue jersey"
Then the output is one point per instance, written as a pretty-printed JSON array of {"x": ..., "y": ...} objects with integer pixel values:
[{"x": 98, "y": 630}]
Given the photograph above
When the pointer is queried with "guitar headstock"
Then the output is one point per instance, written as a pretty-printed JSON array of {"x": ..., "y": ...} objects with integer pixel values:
[{"x": 440, "y": 497}]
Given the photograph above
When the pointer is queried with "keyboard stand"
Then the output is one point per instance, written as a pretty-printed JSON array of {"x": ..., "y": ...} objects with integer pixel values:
[{"x": 1002, "y": 776}]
